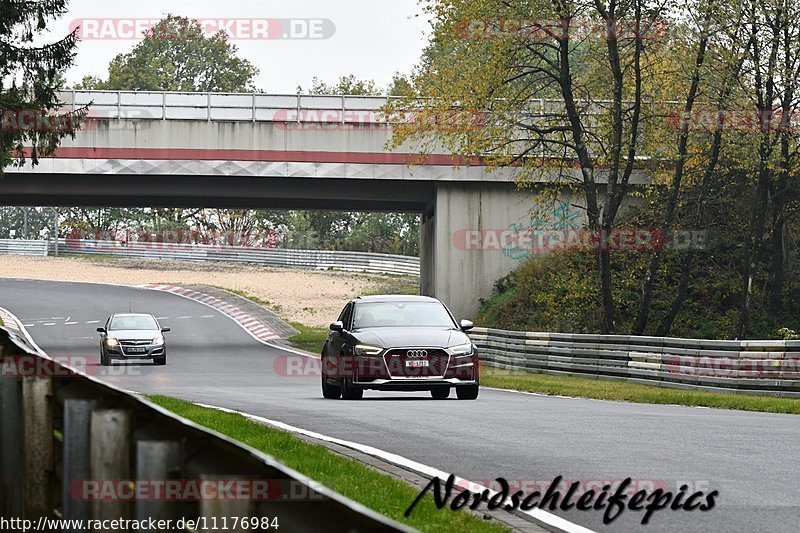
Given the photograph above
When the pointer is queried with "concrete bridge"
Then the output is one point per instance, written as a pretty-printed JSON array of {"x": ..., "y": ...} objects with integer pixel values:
[{"x": 293, "y": 152}]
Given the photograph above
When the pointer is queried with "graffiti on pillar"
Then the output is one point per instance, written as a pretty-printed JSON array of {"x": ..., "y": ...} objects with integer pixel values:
[{"x": 562, "y": 217}]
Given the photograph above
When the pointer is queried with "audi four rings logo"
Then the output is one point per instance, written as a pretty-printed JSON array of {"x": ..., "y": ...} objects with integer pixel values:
[{"x": 417, "y": 353}]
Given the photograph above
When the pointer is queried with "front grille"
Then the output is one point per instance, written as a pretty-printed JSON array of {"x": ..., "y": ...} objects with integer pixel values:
[
  {"x": 127, "y": 344},
  {"x": 436, "y": 357},
  {"x": 144, "y": 342}
]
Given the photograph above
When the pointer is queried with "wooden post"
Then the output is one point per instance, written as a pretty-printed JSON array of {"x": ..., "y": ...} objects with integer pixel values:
[
  {"x": 157, "y": 461},
  {"x": 76, "y": 458},
  {"x": 37, "y": 450},
  {"x": 10, "y": 446},
  {"x": 110, "y": 459},
  {"x": 223, "y": 509}
]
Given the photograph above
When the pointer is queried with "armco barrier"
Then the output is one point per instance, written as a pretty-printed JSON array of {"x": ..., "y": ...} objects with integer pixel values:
[
  {"x": 22, "y": 247},
  {"x": 280, "y": 257},
  {"x": 61, "y": 432},
  {"x": 753, "y": 367}
]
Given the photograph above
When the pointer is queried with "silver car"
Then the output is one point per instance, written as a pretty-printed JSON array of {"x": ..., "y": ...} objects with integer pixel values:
[{"x": 132, "y": 336}]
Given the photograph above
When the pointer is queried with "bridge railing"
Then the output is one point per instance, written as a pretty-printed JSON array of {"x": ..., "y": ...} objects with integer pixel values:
[
  {"x": 76, "y": 448},
  {"x": 372, "y": 263},
  {"x": 765, "y": 367},
  {"x": 253, "y": 107},
  {"x": 261, "y": 107}
]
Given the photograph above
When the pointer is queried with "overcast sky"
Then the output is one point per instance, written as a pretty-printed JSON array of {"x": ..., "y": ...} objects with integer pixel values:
[{"x": 372, "y": 38}]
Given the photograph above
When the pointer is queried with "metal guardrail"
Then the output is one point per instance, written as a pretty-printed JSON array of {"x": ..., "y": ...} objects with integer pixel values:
[
  {"x": 60, "y": 429},
  {"x": 22, "y": 247},
  {"x": 279, "y": 257},
  {"x": 762, "y": 367}
]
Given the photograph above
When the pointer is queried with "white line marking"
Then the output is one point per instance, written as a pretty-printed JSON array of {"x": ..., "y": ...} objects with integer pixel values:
[
  {"x": 93, "y": 322},
  {"x": 184, "y": 317},
  {"x": 28, "y": 325},
  {"x": 70, "y": 323},
  {"x": 537, "y": 514},
  {"x": 207, "y": 316},
  {"x": 50, "y": 324}
]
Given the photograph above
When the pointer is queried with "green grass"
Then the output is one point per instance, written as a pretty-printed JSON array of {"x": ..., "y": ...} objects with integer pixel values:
[
  {"x": 386, "y": 495},
  {"x": 309, "y": 339},
  {"x": 633, "y": 392}
]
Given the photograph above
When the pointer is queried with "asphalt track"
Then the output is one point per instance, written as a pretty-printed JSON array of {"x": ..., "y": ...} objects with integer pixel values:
[{"x": 750, "y": 458}]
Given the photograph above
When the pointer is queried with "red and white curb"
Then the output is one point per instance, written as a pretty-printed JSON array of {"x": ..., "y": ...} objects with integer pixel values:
[{"x": 248, "y": 322}]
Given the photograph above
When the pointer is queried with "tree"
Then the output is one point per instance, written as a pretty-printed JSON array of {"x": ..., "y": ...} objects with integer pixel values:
[
  {"x": 175, "y": 55},
  {"x": 30, "y": 81},
  {"x": 346, "y": 85},
  {"x": 493, "y": 59}
]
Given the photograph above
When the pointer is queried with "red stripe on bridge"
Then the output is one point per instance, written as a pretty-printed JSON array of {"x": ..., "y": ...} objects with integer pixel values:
[{"x": 270, "y": 156}]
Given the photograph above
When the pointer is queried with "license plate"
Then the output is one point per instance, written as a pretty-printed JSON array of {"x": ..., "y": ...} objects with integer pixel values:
[
  {"x": 136, "y": 350},
  {"x": 417, "y": 364}
]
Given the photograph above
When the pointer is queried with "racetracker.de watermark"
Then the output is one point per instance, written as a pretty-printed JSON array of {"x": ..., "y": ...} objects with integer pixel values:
[
  {"x": 65, "y": 367},
  {"x": 192, "y": 490},
  {"x": 578, "y": 28},
  {"x": 542, "y": 241},
  {"x": 126, "y": 29}
]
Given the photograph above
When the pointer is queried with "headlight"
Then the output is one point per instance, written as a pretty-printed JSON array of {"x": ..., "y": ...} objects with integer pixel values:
[
  {"x": 364, "y": 349},
  {"x": 461, "y": 349},
  {"x": 159, "y": 340},
  {"x": 110, "y": 341}
]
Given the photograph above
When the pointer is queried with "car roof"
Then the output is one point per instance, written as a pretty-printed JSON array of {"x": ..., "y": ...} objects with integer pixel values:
[
  {"x": 132, "y": 314},
  {"x": 396, "y": 298}
]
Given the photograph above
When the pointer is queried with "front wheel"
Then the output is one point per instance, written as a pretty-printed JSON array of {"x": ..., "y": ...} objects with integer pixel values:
[
  {"x": 349, "y": 392},
  {"x": 470, "y": 392},
  {"x": 331, "y": 392},
  {"x": 161, "y": 360}
]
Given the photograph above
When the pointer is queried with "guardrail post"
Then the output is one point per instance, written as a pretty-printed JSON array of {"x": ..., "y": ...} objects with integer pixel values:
[
  {"x": 221, "y": 510},
  {"x": 37, "y": 450},
  {"x": 157, "y": 461},
  {"x": 10, "y": 445},
  {"x": 110, "y": 458},
  {"x": 76, "y": 458}
]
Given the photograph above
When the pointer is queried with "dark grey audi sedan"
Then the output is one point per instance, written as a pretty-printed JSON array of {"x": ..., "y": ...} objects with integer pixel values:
[
  {"x": 399, "y": 343},
  {"x": 132, "y": 336}
]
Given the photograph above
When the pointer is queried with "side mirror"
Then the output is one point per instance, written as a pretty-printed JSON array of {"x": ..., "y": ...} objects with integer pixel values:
[
  {"x": 337, "y": 326},
  {"x": 101, "y": 330},
  {"x": 467, "y": 325},
  {"x": 164, "y": 330}
]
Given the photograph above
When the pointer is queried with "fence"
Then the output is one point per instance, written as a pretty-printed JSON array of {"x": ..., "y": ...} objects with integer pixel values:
[
  {"x": 278, "y": 257},
  {"x": 61, "y": 431},
  {"x": 753, "y": 367},
  {"x": 22, "y": 247}
]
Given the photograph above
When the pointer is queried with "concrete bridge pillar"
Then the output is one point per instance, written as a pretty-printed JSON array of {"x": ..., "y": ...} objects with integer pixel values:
[{"x": 476, "y": 235}]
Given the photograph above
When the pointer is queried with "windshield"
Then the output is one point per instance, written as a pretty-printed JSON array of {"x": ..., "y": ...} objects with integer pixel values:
[
  {"x": 391, "y": 314},
  {"x": 133, "y": 322}
]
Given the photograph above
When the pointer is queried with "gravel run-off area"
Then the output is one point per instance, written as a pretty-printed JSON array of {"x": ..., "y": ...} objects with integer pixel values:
[{"x": 312, "y": 298}]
